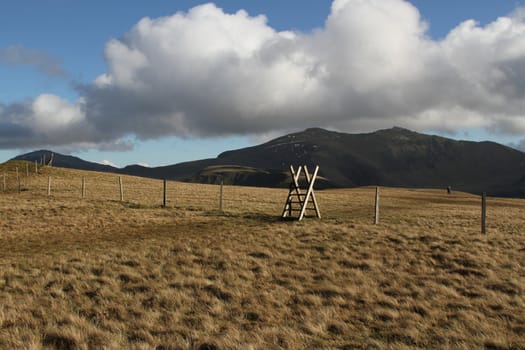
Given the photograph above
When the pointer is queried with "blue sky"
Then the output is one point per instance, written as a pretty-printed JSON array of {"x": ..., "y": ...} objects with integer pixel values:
[{"x": 58, "y": 47}]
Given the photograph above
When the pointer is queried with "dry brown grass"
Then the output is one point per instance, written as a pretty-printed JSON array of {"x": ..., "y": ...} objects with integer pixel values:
[{"x": 98, "y": 273}]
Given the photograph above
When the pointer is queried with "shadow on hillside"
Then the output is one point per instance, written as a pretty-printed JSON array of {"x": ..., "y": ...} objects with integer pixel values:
[{"x": 259, "y": 217}]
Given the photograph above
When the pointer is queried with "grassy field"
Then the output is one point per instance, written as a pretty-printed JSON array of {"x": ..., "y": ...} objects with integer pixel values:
[{"x": 98, "y": 273}]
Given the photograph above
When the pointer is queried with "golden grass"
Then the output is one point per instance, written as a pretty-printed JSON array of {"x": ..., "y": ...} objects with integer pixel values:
[{"x": 98, "y": 273}]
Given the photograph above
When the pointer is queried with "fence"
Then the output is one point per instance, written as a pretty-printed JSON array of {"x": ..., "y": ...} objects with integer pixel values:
[
  {"x": 140, "y": 192},
  {"x": 362, "y": 205}
]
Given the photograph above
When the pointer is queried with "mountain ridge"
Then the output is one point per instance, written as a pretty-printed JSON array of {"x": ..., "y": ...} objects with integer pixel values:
[{"x": 395, "y": 157}]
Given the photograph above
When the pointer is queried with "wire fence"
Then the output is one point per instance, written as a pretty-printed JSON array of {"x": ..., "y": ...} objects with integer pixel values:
[
  {"x": 361, "y": 205},
  {"x": 136, "y": 191}
]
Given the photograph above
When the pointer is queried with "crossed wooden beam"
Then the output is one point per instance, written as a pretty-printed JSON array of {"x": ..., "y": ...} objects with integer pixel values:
[{"x": 298, "y": 200}]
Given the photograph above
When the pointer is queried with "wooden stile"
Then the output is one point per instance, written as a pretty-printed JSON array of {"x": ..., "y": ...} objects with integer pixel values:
[{"x": 298, "y": 200}]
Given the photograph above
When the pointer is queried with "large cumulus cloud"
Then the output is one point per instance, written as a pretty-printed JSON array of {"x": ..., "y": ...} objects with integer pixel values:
[{"x": 206, "y": 72}]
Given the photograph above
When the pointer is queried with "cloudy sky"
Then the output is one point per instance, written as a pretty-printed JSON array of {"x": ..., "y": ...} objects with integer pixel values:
[{"x": 159, "y": 82}]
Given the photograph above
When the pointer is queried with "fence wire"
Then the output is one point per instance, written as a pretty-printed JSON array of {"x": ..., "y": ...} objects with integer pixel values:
[
  {"x": 357, "y": 204},
  {"x": 59, "y": 184}
]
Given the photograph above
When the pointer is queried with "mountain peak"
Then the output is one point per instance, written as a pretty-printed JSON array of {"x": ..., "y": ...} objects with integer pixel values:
[
  {"x": 61, "y": 160},
  {"x": 396, "y": 130},
  {"x": 315, "y": 130}
]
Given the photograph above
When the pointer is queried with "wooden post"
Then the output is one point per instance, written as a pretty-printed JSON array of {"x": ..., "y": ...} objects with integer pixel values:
[
  {"x": 27, "y": 169},
  {"x": 83, "y": 187},
  {"x": 311, "y": 181},
  {"x": 36, "y": 167},
  {"x": 220, "y": 194},
  {"x": 376, "y": 212},
  {"x": 484, "y": 212},
  {"x": 44, "y": 160},
  {"x": 165, "y": 195},
  {"x": 121, "y": 189},
  {"x": 18, "y": 180},
  {"x": 309, "y": 192},
  {"x": 49, "y": 185}
]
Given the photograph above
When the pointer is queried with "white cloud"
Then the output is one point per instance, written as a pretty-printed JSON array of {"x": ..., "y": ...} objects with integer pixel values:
[
  {"x": 372, "y": 65},
  {"x": 520, "y": 146},
  {"x": 107, "y": 162},
  {"x": 51, "y": 114}
]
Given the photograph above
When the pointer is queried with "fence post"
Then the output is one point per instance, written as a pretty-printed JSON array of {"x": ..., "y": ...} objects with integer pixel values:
[
  {"x": 44, "y": 160},
  {"x": 18, "y": 180},
  {"x": 376, "y": 212},
  {"x": 484, "y": 212},
  {"x": 121, "y": 189},
  {"x": 36, "y": 167},
  {"x": 49, "y": 185},
  {"x": 164, "y": 194},
  {"x": 27, "y": 169},
  {"x": 220, "y": 194},
  {"x": 83, "y": 187}
]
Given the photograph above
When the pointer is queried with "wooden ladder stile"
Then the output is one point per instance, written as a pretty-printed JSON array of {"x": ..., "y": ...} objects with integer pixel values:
[
  {"x": 293, "y": 191},
  {"x": 310, "y": 193},
  {"x": 297, "y": 196}
]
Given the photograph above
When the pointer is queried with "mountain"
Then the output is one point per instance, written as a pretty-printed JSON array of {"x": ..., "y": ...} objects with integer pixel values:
[
  {"x": 391, "y": 157},
  {"x": 64, "y": 161}
]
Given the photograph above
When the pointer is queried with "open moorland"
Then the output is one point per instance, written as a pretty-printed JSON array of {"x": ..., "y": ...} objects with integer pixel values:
[{"x": 97, "y": 272}]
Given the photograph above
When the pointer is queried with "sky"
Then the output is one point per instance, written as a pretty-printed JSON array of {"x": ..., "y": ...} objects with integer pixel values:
[{"x": 164, "y": 81}]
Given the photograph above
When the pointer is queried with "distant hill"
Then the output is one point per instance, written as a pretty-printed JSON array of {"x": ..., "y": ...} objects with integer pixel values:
[
  {"x": 64, "y": 161},
  {"x": 391, "y": 157}
]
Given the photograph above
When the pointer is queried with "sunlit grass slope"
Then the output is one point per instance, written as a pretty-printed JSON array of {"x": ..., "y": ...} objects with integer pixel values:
[{"x": 98, "y": 273}]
